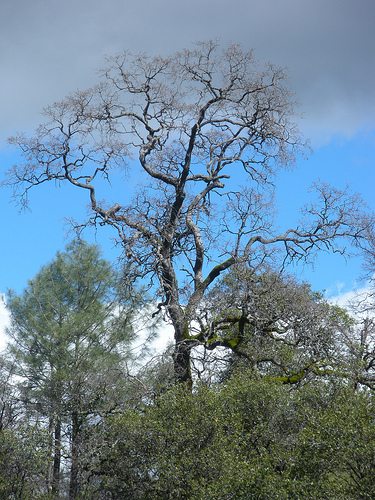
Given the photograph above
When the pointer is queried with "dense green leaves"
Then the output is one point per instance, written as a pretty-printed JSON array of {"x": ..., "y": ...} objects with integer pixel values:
[
  {"x": 23, "y": 459},
  {"x": 248, "y": 439},
  {"x": 336, "y": 450}
]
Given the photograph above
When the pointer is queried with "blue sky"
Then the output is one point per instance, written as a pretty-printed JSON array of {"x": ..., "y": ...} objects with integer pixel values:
[
  {"x": 31, "y": 238},
  {"x": 48, "y": 49}
]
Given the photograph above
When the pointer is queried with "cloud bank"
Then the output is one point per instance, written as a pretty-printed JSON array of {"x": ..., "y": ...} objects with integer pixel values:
[{"x": 51, "y": 48}]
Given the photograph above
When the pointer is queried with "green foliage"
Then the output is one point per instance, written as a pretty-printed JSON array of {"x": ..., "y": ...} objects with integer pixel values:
[
  {"x": 336, "y": 449},
  {"x": 68, "y": 327},
  {"x": 23, "y": 458},
  {"x": 247, "y": 439}
]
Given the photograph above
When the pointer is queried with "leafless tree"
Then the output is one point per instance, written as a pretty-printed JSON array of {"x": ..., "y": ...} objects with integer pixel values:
[{"x": 199, "y": 123}]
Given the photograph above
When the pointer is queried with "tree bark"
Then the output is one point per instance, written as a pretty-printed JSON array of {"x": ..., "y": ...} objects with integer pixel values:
[
  {"x": 56, "y": 459},
  {"x": 181, "y": 362},
  {"x": 73, "y": 486}
]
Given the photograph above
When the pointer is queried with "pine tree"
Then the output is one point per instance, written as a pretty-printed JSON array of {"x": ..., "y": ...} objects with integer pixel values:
[{"x": 70, "y": 334}]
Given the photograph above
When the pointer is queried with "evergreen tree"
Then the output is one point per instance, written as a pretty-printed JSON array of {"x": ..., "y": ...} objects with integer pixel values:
[{"x": 70, "y": 332}]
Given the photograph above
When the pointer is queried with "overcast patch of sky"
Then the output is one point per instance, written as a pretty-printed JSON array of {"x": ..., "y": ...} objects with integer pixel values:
[{"x": 51, "y": 48}]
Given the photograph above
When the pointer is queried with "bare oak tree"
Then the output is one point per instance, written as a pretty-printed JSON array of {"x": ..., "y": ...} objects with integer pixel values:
[{"x": 210, "y": 128}]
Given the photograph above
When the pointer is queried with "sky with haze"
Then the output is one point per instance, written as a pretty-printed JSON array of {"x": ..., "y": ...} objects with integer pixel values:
[{"x": 49, "y": 48}]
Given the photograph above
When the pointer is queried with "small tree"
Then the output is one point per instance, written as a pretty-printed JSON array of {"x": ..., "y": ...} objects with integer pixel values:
[
  {"x": 69, "y": 335},
  {"x": 210, "y": 128}
]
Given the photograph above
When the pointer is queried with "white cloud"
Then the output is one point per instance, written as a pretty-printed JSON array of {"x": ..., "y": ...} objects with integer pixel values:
[
  {"x": 154, "y": 340},
  {"x": 359, "y": 302}
]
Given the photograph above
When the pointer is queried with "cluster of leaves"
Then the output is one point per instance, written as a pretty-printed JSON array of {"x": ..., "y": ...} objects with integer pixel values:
[
  {"x": 247, "y": 439},
  {"x": 23, "y": 459}
]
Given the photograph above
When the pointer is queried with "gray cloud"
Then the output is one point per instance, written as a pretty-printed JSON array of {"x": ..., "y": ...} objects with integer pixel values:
[{"x": 48, "y": 48}]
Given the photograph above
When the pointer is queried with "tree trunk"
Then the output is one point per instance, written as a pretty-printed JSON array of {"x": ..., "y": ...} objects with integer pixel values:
[
  {"x": 181, "y": 363},
  {"x": 181, "y": 354},
  {"x": 51, "y": 438},
  {"x": 56, "y": 459},
  {"x": 73, "y": 486}
]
